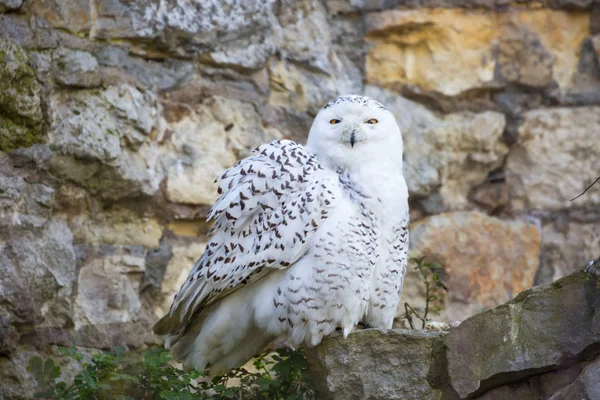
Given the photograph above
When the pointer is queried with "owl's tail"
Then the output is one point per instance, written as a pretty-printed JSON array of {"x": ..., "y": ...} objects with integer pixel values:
[{"x": 221, "y": 337}]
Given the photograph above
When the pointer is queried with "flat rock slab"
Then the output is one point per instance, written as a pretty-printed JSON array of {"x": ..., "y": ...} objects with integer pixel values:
[
  {"x": 541, "y": 329},
  {"x": 374, "y": 364},
  {"x": 541, "y": 344}
]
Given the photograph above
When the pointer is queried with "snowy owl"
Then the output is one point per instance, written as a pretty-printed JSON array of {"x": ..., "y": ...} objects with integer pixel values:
[{"x": 306, "y": 240}]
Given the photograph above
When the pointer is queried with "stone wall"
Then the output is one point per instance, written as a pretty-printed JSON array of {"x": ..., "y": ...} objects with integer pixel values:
[{"x": 115, "y": 117}]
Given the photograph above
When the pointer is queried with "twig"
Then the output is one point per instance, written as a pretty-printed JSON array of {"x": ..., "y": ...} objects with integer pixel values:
[
  {"x": 427, "y": 298},
  {"x": 588, "y": 188},
  {"x": 407, "y": 315}
]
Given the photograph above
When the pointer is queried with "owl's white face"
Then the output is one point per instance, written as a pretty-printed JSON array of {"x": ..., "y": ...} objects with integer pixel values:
[{"x": 353, "y": 130}]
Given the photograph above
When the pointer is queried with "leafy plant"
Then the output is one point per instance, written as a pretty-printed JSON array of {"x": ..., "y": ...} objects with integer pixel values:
[
  {"x": 118, "y": 374},
  {"x": 433, "y": 286}
]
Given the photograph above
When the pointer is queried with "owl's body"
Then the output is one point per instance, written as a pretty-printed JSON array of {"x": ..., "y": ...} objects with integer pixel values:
[{"x": 306, "y": 240}]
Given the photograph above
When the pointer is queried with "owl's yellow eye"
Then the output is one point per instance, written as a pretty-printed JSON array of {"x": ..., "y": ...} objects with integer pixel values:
[
  {"x": 334, "y": 121},
  {"x": 372, "y": 121}
]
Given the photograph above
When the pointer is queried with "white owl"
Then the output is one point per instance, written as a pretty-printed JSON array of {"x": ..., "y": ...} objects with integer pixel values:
[{"x": 306, "y": 239}]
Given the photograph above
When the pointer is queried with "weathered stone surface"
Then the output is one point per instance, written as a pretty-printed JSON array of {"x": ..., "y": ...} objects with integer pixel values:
[
  {"x": 186, "y": 28},
  {"x": 543, "y": 344},
  {"x": 556, "y": 158},
  {"x": 420, "y": 47},
  {"x": 373, "y": 364},
  {"x": 565, "y": 247},
  {"x": 118, "y": 66},
  {"x": 76, "y": 68},
  {"x": 306, "y": 90},
  {"x": 135, "y": 106},
  {"x": 23, "y": 204},
  {"x": 107, "y": 141},
  {"x": 545, "y": 386},
  {"x": 541, "y": 330},
  {"x": 586, "y": 385},
  {"x": 305, "y": 36},
  {"x": 119, "y": 228},
  {"x": 74, "y": 16},
  {"x": 6, "y": 5},
  {"x": 20, "y": 103},
  {"x": 209, "y": 140},
  {"x": 486, "y": 261},
  {"x": 108, "y": 291},
  {"x": 181, "y": 263},
  {"x": 448, "y": 155},
  {"x": 18, "y": 384},
  {"x": 37, "y": 260}
]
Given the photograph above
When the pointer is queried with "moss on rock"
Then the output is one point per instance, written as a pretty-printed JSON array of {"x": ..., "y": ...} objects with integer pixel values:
[{"x": 20, "y": 102}]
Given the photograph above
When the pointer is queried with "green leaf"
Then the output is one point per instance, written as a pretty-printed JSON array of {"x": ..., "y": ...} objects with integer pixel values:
[
  {"x": 114, "y": 376},
  {"x": 54, "y": 373},
  {"x": 36, "y": 368},
  {"x": 48, "y": 393}
]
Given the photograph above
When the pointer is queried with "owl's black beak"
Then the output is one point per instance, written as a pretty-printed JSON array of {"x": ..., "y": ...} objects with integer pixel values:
[{"x": 353, "y": 138}]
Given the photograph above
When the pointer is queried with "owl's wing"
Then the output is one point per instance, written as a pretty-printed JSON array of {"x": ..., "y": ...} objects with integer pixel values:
[{"x": 271, "y": 204}]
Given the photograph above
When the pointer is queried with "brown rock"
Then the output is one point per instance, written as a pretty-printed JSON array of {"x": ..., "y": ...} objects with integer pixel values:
[
  {"x": 451, "y": 51},
  {"x": 74, "y": 16},
  {"x": 118, "y": 228},
  {"x": 486, "y": 261}
]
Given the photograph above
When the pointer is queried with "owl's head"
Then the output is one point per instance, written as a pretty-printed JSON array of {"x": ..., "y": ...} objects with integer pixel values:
[{"x": 353, "y": 130}]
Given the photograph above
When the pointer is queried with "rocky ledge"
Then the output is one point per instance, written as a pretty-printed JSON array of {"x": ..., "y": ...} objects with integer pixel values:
[{"x": 543, "y": 344}]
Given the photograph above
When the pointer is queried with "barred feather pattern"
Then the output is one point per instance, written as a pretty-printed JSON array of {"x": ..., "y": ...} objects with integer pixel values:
[
  {"x": 297, "y": 251},
  {"x": 269, "y": 205}
]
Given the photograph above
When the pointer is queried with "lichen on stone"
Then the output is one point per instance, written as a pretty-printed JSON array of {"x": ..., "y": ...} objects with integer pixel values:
[{"x": 20, "y": 103}]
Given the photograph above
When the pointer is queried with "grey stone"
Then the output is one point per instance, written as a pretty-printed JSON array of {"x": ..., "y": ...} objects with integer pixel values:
[
  {"x": 586, "y": 386},
  {"x": 538, "y": 178},
  {"x": 184, "y": 28},
  {"x": 106, "y": 141},
  {"x": 522, "y": 59},
  {"x": 6, "y": 5},
  {"x": 305, "y": 35},
  {"x": 17, "y": 382},
  {"x": 540, "y": 345},
  {"x": 75, "y": 68},
  {"x": 540, "y": 330},
  {"x": 119, "y": 66},
  {"x": 543, "y": 386},
  {"x": 156, "y": 264},
  {"x": 566, "y": 248},
  {"x": 37, "y": 275},
  {"x": 374, "y": 364}
]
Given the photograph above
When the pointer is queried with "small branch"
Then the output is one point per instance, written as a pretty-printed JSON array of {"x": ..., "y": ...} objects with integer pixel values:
[
  {"x": 408, "y": 316},
  {"x": 427, "y": 300},
  {"x": 588, "y": 188}
]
